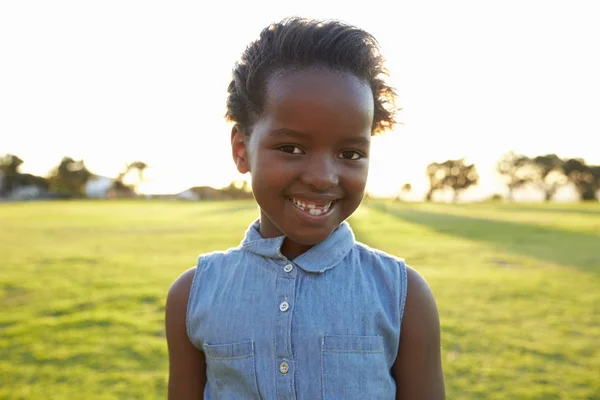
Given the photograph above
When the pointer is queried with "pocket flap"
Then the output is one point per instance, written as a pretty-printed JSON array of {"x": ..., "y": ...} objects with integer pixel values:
[
  {"x": 229, "y": 351},
  {"x": 353, "y": 344}
]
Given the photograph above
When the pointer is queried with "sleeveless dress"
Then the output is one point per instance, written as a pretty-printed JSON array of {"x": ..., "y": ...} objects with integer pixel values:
[{"x": 325, "y": 325}]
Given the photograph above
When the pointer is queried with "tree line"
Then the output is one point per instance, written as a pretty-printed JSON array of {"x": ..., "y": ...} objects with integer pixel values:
[
  {"x": 547, "y": 172},
  {"x": 68, "y": 179}
]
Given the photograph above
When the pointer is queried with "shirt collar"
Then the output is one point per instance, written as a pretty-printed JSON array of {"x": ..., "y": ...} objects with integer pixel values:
[{"x": 319, "y": 258}]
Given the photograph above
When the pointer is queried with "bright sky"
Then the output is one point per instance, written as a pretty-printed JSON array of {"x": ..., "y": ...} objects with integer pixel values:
[{"x": 116, "y": 81}]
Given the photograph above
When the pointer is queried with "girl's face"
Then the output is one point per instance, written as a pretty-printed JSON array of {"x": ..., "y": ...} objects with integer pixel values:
[{"x": 308, "y": 154}]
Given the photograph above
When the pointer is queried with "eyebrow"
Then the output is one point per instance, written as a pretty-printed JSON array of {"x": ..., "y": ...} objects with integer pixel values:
[
  {"x": 356, "y": 140},
  {"x": 289, "y": 132}
]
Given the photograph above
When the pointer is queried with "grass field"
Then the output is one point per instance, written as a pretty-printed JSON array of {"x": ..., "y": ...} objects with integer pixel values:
[{"x": 83, "y": 287}]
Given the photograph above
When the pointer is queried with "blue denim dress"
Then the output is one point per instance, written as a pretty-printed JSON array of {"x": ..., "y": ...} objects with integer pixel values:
[{"x": 325, "y": 325}]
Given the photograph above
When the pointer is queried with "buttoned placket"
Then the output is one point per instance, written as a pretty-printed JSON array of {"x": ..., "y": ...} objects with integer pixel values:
[{"x": 282, "y": 336}]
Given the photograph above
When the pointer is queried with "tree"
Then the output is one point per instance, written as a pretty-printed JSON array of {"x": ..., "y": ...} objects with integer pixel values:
[
  {"x": 451, "y": 174},
  {"x": 404, "y": 190},
  {"x": 138, "y": 166},
  {"x": 515, "y": 170},
  {"x": 124, "y": 189},
  {"x": 9, "y": 166},
  {"x": 548, "y": 174},
  {"x": 12, "y": 178},
  {"x": 68, "y": 179},
  {"x": 238, "y": 189},
  {"x": 586, "y": 178},
  {"x": 119, "y": 189}
]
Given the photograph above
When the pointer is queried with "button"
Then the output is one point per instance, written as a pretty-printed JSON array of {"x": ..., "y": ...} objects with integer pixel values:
[
  {"x": 284, "y": 306},
  {"x": 288, "y": 268},
  {"x": 284, "y": 368}
]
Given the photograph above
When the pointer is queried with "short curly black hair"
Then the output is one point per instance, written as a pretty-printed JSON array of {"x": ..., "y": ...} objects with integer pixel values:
[{"x": 297, "y": 43}]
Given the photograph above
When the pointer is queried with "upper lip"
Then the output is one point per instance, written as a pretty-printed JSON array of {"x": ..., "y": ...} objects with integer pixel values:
[{"x": 315, "y": 197}]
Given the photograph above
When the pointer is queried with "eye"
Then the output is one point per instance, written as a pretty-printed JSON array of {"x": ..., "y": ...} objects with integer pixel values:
[
  {"x": 350, "y": 155},
  {"x": 291, "y": 149}
]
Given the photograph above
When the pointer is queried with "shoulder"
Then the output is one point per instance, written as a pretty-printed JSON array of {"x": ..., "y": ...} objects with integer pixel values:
[
  {"x": 184, "y": 288},
  {"x": 375, "y": 255},
  {"x": 391, "y": 267},
  {"x": 179, "y": 293},
  {"x": 420, "y": 310},
  {"x": 416, "y": 284},
  {"x": 219, "y": 257},
  {"x": 183, "y": 282}
]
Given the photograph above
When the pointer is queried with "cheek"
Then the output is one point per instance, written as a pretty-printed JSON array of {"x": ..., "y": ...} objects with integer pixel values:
[
  {"x": 267, "y": 172},
  {"x": 356, "y": 178}
]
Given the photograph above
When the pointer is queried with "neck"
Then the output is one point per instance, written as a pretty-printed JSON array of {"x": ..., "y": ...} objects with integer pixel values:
[{"x": 292, "y": 250}]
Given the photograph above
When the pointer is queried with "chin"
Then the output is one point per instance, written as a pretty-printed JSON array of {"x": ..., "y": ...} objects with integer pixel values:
[{"x": 310, "y": 237}]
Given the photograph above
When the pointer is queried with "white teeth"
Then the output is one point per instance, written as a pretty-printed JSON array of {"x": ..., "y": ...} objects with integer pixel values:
[{"x": 311, "y": 208}]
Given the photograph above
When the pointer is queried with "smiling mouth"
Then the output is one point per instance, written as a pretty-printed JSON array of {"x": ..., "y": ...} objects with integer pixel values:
[{"x": 315, "y": 208}]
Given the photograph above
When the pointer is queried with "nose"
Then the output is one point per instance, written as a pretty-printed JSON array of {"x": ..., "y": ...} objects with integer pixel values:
[{"x": 321, "y": 172}]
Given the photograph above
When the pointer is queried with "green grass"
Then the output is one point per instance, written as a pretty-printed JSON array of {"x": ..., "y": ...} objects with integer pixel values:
[{"x": 83, "y": 286}]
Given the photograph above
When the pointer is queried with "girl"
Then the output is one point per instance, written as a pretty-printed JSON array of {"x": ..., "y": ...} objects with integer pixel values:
[{"x": 300, "y": 310}]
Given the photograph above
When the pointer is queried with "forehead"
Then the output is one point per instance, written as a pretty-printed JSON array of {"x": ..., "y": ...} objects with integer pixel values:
[{"x": 319, "y": 100}]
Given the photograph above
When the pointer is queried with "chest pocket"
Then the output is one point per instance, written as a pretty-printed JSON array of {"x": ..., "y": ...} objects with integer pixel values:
[
  {"x": 231, "y": 370},
  {"x": 353, "y": 367}
]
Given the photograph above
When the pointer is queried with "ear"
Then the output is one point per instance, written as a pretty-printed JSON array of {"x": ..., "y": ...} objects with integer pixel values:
[{"x": 239, "y": 149}]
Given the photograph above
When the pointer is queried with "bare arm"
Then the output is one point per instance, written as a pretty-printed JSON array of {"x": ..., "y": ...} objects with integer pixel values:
[
  {"x": 418, "y": 368},
  {"x": 187, "y": 367}
]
